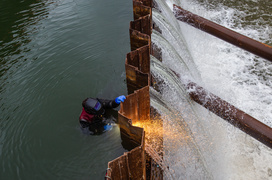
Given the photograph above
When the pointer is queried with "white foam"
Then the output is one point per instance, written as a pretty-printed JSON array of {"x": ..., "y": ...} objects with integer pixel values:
[{"x": 238, "y": 77}]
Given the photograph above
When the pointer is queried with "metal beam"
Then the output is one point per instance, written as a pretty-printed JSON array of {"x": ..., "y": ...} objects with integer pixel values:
[
  {"x": 233, "y": 115},
  {"x": 246, "y": 43}
]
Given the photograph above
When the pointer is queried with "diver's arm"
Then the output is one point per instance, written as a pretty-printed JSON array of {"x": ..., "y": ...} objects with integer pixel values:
[
  {"x": 108, "y": 104},
  {"x": 112, "y": 103}
]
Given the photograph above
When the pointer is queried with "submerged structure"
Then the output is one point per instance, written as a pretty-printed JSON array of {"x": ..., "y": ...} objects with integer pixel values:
[{"x": 142, "y": 111}]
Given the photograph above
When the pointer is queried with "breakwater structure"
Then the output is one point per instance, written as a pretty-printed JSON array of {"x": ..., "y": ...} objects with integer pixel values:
[{"x": 144, "y": 162}]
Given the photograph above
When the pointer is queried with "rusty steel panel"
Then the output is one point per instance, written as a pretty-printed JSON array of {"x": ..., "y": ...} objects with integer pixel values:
[
  {"x": 129, "y": 107},
  {"x": 133, "y": 58},
  {"x": 146, "y": 22},
  {"x": 140, "y": 58},
  {"x": 143, "y": 104},
  {"x": 136, "y": 163},
  {"x": 143, "y": 25},
  {"x": 136, "y": 25},
  {"x": 131, "y": 165},
  {"x": 133, "y": 132},
  {"x": 139, "y": 10},
  {"x": 131, "y": 74},
  {"x": 233, "y": 115},
  {"x": 246, "y": 43},
  {"x": 137, "y": 105},
  {"x": 143, "y": 141},
  {"x": 118, "y": 169},
  {"x": 135, "y": 79},
  {"x": 144, "y": 59},
  {"x": 143, "y": 157},
  {"x": 138, "y": 39}
]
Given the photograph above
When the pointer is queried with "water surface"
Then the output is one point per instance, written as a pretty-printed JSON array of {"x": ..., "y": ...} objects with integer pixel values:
[{"x": 53, "y": 55}]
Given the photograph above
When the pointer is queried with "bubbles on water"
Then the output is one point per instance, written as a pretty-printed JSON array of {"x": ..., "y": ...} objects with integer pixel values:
[{"x": 237, "y": 76}]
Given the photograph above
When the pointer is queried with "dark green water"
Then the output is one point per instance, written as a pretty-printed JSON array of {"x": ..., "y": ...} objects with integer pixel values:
[{"x": 53, "y": 55}]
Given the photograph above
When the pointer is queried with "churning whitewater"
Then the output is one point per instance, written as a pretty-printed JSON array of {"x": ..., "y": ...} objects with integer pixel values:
[{"x": 198, "y": 144}]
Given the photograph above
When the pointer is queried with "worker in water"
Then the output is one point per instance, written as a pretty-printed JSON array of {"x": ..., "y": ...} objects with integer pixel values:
[{"x": 93, "y": 111}]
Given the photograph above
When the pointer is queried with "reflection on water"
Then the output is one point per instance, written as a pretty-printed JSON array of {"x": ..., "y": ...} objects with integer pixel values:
[{"x": 53, "y": 55}]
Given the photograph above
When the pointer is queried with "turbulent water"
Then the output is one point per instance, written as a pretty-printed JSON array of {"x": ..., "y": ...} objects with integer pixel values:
[{"x": 201, "y": 145}]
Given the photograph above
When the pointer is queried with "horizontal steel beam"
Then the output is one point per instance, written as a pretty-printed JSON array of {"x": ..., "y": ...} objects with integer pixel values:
[
  {"x": 244, "y": 42},
  {"x": 233, "y": 115}
]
